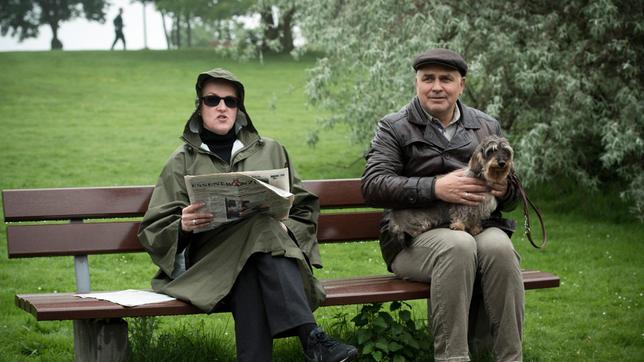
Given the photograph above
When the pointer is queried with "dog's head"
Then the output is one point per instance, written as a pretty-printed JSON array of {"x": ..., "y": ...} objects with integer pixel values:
[{"x": 492, "y": 159}]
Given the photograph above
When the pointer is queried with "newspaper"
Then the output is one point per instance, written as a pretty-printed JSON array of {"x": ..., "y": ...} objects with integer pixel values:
[{"x": 235, "y": 195}]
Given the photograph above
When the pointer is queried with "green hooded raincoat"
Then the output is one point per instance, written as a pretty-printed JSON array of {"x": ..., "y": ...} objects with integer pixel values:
[{"x": 204, "y": 271}]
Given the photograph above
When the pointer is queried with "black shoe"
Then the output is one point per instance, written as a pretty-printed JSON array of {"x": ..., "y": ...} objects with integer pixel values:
[{"x": 322, "y": 348}]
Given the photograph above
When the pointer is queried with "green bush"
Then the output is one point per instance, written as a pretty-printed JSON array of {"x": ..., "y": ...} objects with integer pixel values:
[{"x": 395, "y": 336}]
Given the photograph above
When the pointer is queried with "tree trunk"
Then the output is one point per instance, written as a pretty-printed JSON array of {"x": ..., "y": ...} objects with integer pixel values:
[
  {"x": 188, "y": 31},
  {"x": 286, "y": 31},
  {"x": 178, "y": 30},
  {"x": 51, "y": 14},
  {"x": 165, "y": 30},
  {"x": 282, "y": 32},
  {"x": 270, "y": 31},
  {"x": 56, "y": 44}
]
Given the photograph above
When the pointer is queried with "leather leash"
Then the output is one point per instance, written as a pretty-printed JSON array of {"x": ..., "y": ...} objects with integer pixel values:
[{"x": 526, "y": 213}]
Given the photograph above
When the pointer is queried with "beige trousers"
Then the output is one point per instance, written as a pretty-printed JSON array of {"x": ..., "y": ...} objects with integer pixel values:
[{"x": 471, "y": 277}]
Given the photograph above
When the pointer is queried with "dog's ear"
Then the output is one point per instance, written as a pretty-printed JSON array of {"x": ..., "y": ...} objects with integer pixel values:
[{"x": 477, "y": 161}]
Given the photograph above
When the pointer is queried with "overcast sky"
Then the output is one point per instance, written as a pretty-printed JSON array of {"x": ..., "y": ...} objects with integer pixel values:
[{"x": 80, "y": 34}]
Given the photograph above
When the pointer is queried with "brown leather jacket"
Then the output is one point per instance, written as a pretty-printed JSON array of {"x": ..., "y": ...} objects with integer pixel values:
[{"x": 409, "y": 151}]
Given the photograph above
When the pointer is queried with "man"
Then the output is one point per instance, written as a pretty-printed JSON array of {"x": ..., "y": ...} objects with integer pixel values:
[
  {"x": 118, "y": 29},
  {"x": 417, "y": 158}
]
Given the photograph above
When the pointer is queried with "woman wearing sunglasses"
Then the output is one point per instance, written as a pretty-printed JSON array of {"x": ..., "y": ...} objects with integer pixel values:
[{"x": 260, "y": 267}]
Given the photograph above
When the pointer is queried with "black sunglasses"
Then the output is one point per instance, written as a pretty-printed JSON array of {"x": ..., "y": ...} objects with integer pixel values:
[{"x": 213, "y": 101}]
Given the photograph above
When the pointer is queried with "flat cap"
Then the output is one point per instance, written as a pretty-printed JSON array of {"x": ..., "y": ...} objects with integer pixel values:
[{"x": 443, "y": 57}]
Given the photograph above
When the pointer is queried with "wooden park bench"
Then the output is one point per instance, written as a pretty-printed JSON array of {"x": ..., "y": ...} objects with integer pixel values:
[{"x": 93, "y": 227}]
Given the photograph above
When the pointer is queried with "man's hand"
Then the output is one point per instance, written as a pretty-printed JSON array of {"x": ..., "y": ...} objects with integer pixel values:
[
  {"x": 499, "y": 189},
  {"x": 457, "y": 188}
]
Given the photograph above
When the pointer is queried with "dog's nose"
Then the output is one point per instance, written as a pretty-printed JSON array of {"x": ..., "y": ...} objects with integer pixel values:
[{"x": 501, "y": 163}]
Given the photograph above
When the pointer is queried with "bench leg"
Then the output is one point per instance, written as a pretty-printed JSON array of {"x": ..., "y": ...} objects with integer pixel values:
[{"x": 101, "y": 340}]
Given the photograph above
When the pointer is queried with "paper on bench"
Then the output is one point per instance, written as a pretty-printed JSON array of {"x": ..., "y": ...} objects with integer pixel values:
[{"x": 129, "y": 297}]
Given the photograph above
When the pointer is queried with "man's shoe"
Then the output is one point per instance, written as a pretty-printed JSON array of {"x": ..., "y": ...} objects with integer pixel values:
[{"x": 322, "y": 348}]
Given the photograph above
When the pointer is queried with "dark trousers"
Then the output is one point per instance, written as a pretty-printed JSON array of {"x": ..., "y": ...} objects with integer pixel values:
[
  {"x": 267, "y": 301},
  {"x": 118, "y": 35}
]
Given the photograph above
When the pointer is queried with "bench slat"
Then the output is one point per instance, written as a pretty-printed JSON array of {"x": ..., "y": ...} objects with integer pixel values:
[
  {"x": 72, "y": 239},
  {"x": 337, "y": 193},
  {"x": 356, "y": 290},
  {"x": 120, "y": 237},
  {"x": 353, "y": 227},
  {"x": 372, "y": 289},
  {"x": 75, "y": 203},
  {"x": 132, "y": 201},
  {"x": 65, "y": 306}
]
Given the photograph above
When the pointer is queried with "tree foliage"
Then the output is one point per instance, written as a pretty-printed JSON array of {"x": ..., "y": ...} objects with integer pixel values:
[
  {"x": 563, "y": 78},
  {"x": 23, "y": 18},
  {"x": 218, "y": 19},
  {"x": 195, "y": 22},
  {"x": 274, "y": 33},
  {"x": 277, "y": 20}
]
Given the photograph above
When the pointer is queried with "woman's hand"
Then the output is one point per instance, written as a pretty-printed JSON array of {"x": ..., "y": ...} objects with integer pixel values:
[
  {"x": 193, "y": 217},
  {"x": 458, "y": 188}
]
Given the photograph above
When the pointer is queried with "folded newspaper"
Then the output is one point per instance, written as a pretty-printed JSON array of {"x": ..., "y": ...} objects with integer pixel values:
[
  {"x": 129, "y": 297},
  {"x": 235, "y": 195}
]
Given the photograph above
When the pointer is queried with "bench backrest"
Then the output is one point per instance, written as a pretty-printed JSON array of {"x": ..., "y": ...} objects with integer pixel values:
[{"x": 93, "y": 218}]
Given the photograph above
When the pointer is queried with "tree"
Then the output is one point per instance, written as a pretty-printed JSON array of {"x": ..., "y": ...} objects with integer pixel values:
[
  {"x": 23, "y": 18},
  {"x": 277, "y": 18},
  {"x": 564, "y": 78},
  {"x": 274, "y": 34},
  {"x": 188, "y": 14}
]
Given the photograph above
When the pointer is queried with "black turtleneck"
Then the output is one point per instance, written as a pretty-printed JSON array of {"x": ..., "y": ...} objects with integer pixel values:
[{"x": 221, "y": 145}]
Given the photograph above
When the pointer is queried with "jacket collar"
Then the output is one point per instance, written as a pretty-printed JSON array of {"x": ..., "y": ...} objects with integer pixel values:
[
  {"x": 246, "y": 135},
  {"x": 419, "y": 116}
]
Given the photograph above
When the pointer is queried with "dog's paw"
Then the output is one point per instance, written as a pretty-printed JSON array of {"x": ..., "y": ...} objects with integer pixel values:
[
  {"x": 457, "y": 225},
  {"x": 475, "y": 230}
]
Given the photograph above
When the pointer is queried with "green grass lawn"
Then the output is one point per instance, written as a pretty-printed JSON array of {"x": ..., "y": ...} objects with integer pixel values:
[{"x": 113, "y": 118}]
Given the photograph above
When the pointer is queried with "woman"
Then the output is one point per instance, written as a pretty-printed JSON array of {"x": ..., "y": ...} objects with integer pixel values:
[{"x": 260, "y": 267}]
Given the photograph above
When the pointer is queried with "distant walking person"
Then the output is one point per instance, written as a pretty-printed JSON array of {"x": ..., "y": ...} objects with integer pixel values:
[{"x": 118, "y": 29}]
